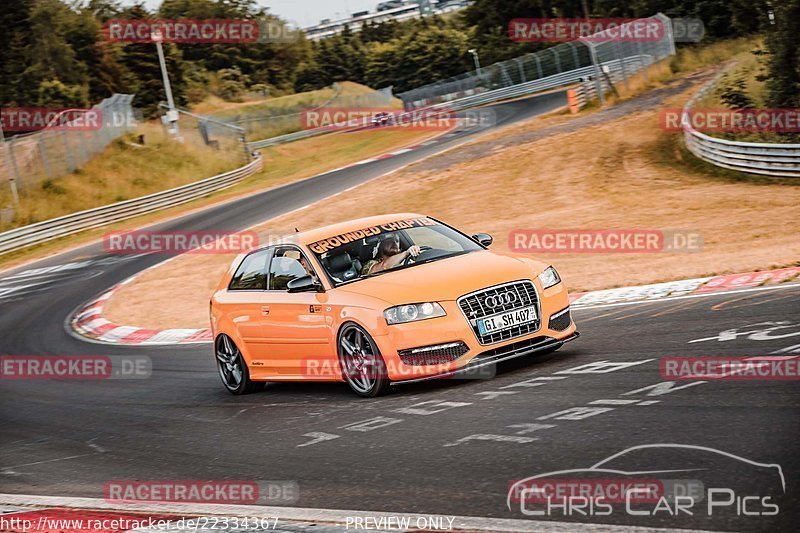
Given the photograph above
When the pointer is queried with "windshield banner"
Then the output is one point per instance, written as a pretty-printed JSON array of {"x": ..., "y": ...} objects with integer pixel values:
[{"x": 330, "y": 243}]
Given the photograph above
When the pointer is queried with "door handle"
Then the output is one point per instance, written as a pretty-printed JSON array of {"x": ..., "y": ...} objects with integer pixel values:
[{"x": 264, "y": 309}]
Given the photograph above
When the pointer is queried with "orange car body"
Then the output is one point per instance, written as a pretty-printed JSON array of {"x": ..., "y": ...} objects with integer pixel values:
[{"x": 293, "y": 336}]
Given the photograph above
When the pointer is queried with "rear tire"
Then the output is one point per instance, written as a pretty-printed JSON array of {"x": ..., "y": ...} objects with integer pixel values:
[
  {"x": 232, "y": 368},
  {"x": 363, "y": 367}
]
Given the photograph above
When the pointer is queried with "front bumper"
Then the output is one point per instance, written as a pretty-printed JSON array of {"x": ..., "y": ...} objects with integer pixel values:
[
  {"x": 454, "y": 328},
  {"x": 488, "y": 358}
]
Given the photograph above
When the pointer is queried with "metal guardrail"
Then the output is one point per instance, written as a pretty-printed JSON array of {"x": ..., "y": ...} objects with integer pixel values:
[
  {"x": 614, "y": 68},
  {"x": 55, "y": 228},
  {"x": 766, "y": 159},
  {"x": 289, "y": 137}
]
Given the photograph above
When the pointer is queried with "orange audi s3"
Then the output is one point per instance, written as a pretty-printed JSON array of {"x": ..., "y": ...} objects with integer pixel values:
[{"x": 381, "y": 300}]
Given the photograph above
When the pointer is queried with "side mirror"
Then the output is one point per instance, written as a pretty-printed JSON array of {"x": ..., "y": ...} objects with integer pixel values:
[
  {"x": 483, "y": 238},
  {"x": 304, "y": 284}
]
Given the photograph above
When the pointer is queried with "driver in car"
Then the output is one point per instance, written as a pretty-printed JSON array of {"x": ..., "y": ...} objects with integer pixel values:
[
  {"x": 308, "y": 268},
  {"x": 389, "y": 255}
]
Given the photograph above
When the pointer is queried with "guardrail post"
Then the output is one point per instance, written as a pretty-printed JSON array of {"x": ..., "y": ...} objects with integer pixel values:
[
  {"x": 597, "y": 73},
  {"x": 670, "y": 36},
  {"x": 247, "y": 153},
  {"x": 538, "y": 65},
  {"x": 15, "y": 175},
  {"x": 42, "y": 153},
  {"x": 621, "y": 60},
  {"x": 558, "y": 60},
  {"x": 641, "y": 59},
  {"x": 67, "y": 152},
  {"x": 518, "y": 61},
  {"x": 575, "y": 55},
  {"x": 505, "y": 77}
]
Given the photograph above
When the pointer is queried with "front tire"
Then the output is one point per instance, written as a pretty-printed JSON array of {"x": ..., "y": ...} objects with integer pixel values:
[
  {"x": 232, "y": 368},
  {"x": 363, "y": 367}
]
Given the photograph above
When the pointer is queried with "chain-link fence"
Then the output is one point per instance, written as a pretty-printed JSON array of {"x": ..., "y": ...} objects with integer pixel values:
[
  {"x": 27, "y": 159},
  {"x": 274, "y": 122},
  {"x": 603, "y": 52},
  {"x": 207, "y": 132}
]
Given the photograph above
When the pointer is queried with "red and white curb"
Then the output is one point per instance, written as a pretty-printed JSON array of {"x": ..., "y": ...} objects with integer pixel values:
[
  {"x": 90, "y": 322},
  {"x": 684, "y": 287}
]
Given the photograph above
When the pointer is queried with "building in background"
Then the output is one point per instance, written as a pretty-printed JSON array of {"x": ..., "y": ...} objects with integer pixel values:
[{"x": 389, "y": 9}]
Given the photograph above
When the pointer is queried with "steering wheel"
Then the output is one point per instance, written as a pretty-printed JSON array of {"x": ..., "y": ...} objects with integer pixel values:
[{"x": 410, "y": 258}]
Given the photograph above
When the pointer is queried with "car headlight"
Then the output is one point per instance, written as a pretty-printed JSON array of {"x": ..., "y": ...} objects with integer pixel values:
[
  {"x": 549, "y": 278},
  {"x": 412, "y": 312}
]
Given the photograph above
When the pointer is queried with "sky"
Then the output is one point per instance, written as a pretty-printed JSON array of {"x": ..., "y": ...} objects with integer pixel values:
[{"x": 302, "y": 12}]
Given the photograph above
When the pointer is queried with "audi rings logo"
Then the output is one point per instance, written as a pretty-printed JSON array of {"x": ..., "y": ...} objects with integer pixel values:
[{"x": 500, "y": 300}]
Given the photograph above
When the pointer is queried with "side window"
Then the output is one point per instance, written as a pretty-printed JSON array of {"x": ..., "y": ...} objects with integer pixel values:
[
  {"x": 252, "y": 273},
  {"x": 284, "y": 268}
]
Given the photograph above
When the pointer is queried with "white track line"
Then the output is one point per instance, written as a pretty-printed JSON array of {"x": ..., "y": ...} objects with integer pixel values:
[{"x": 331, "y": 516}]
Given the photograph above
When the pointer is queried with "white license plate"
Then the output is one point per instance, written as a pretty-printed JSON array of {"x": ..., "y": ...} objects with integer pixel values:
[{"x": 507, "y": 320}]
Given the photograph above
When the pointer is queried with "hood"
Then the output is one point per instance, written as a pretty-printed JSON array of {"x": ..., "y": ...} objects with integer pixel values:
[{"x": 446, "y": 279}]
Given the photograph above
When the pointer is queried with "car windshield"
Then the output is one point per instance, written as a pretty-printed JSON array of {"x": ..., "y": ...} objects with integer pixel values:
[{"x": 376, "y": 250}]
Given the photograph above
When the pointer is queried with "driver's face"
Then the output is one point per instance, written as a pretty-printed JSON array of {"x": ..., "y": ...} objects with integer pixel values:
[{"x": 392, "y": 245}]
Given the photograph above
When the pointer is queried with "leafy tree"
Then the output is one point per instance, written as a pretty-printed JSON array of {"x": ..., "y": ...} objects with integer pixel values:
[
  {"x": 232, "y": 83},
  {"x": 783, "y": 43},
  {"x": 53, "y": 93},
  {"x": 733, "y": 93},
  {"x": 48, "y": 55},
  {"x": 13, "y": 57}
]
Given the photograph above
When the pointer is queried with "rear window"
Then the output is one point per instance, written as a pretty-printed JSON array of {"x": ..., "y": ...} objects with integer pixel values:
[{"x": 252, "y": 273}]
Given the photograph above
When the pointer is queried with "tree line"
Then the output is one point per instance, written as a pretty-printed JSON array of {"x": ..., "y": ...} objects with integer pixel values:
[{"x": 55, "y": 53}]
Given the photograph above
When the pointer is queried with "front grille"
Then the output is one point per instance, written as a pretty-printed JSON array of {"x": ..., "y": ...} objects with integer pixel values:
[
  {"x": 433, "y": 355},
  {"x": 474, "y": 306},
  {"x": 561, "y": 320}
]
